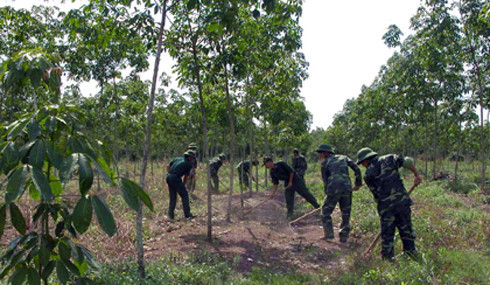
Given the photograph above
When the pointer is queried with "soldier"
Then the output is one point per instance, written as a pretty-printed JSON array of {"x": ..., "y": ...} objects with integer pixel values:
[
  {"x": 299, "y": 164},
  {"x": 338, "y": 189},
  {"x": 178, "y": 167},
  {"x": 191, "y": 183},
  {"x": 292, "y": 183},
  {"x": 385, "y": 183},
  {"x": 244, "y": 170},
  {"x": 214, "y": 166}
]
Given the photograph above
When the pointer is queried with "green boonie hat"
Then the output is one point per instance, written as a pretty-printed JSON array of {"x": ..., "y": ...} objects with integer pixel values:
[
  {"x": 190, "y": 153},
  {"x": 296, "y": 150},
  {"x": 365, "y": 153},
  {"x": 266, "y": 159},
  {"x": 324, "y": 148},
  {"x": 192, "y": 145},
  {"x": 222, "y": 156}
]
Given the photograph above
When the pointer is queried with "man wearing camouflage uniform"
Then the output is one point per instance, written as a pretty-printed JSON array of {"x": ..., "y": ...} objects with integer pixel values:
[
  {"x": 244, "y": 170},
  {"x": 299, "y": 164},
  {"x": 178, "y": 167},
  {"x": 338, "y": 189},
  {"x": 191, "y": 183},
  {"x": 385, "y": 183},
  {"x": 292, "y": 183},
  {"x": 214, "y": 166}
]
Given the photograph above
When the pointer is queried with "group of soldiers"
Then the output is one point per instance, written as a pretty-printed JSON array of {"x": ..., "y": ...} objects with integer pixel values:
[{"x": 381, "y": 177}]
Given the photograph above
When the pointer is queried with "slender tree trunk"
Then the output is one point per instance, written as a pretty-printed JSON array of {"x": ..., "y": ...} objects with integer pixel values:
[
  {"x": 434, "y": 142},
  {"x": 456, "y": 165},
  {"x": 197, "y": 70},
  {"x": 146, "y": 151},
  {"x": 232, "y": 142},
  {"x": 267, "y": 150}
]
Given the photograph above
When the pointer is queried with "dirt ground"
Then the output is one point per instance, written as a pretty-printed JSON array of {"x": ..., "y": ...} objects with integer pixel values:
[{"x": 258, "y": 237}]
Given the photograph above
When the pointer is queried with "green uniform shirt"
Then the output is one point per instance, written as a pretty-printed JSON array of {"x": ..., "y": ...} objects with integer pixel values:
[
  {"x": 299, "y": 164},
  {"x": 215, "y": 164},
  {"x": 244, "y": 166},
  {"x": 385, "y": 183},
  {"x": 180, "y": 166},
  {"x": 282, "y": 171},
  {"x": 335, "y": 174}
]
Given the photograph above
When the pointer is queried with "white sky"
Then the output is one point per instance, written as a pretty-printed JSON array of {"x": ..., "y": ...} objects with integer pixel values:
[{"x": 341, "y": 41}]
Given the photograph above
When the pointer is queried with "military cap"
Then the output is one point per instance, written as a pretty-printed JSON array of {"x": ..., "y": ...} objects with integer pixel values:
[
  {"x": 296, "y": 150},
  {"x": 192, "y": 145},
  {"x": 365, "y": 153},
  {"x": 266, "y": 159},
  {"x": 190, "y": 153},
  {"x": 324, "y": 148}
]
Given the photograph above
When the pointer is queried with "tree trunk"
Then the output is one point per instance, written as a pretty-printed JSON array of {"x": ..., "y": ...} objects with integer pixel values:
[
  {"x": 434, "y": 142},
  {"x": 197, "y": 70},
  {"x": 146, "y": 151},
  {"x": 232, "y": 142}
]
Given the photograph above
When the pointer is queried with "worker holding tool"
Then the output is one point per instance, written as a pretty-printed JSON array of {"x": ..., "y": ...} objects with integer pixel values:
[
  {"x": 214, "y": 166},
  {"x": 244, "y": 170},
  {"x": 393, "y": 201},
  {"x": 338, "y": 189},
  {"x": 292, "y": 183},
  {"x": 191, "y": 182},
  {"x": 178, "y": 167}
]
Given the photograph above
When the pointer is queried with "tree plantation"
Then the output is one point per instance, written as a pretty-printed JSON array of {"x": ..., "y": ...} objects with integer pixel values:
[{"x": 178, "y": 179}]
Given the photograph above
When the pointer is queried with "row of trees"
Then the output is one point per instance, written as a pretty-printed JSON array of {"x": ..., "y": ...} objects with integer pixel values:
[
  {"x": 238, "y": 63},
  {"x": 429, "y": 99}
]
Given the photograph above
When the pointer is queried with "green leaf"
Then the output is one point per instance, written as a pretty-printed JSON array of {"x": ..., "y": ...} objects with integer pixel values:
[
  {"x": 3, "y": 218},
  {"x": 41, "y": 183},
  {"x": 33, "y": 276},
  {"x": 54, "y": 155},
  {"x": 50, "y": 124},
  {"x": 72, "y": 267},
  {"x": 16, "y": 128},
  {"x": 17, "y": 219},
  {"x": 56, "y": 187},
  {"x": 44, "y": 253},
  {"x": 82, "y": 214},
  {"x": 16, "y": 184},
  {"x": 104, "y": 215},
  {"x": 34, "y": 193},
  {"x": 10, "y": 158},
  {"x": 37, "y": 154},
  {"x": 33, "y": 129},
  {"x": 192, "y": 4},
  {"x": 131, "y": 186},
  {"x": 68, "y": 167},
  {"x": 48, "y": 269},
  {"x": 19, "y": 276},
  {"x": 86, "y": 176},
  {"x": 129, "y": 194},
  {"x": 103, "y": 169},
  {"x": 64, "y": 251},
  {"x": 62, "y": 272}
]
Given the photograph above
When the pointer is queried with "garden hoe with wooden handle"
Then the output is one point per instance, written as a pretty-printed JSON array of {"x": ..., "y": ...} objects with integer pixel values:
[
  {"x": 376, "y": 239},
  {"x": 254, "y": 207}
]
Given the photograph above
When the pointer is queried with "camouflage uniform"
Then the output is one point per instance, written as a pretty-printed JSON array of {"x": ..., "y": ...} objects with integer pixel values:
[
  {"x": 338, "y": 189},
  {"x": 179, "y": 167},
  {"x": 214, "y": 166},
  {"x": 281, "y": 171},
  {"x": 385, "y": 183},
  {"x": 243, "y": 169},
  {"x": 300, "y": 165}
]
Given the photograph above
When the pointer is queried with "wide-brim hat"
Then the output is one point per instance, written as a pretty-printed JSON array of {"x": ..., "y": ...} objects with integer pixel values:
[
  {"x": 222, "y": 156},
  {"x": 192, "y": 145},
  {"x": 190, "y": 153},
  {"x": 324, "y": 148},
  {"x": 365, "y": 153}
]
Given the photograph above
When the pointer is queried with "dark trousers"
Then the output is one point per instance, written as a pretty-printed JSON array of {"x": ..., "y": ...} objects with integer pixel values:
[
  {"x": 400, "y": 219},
  {"x": 299, "y": 187},
  {"x": 244, "y": 178},
  {"x": 215, "y": 181},
  {"x": 344, "y": 199},
  {"x": 176, "y": 186}
]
